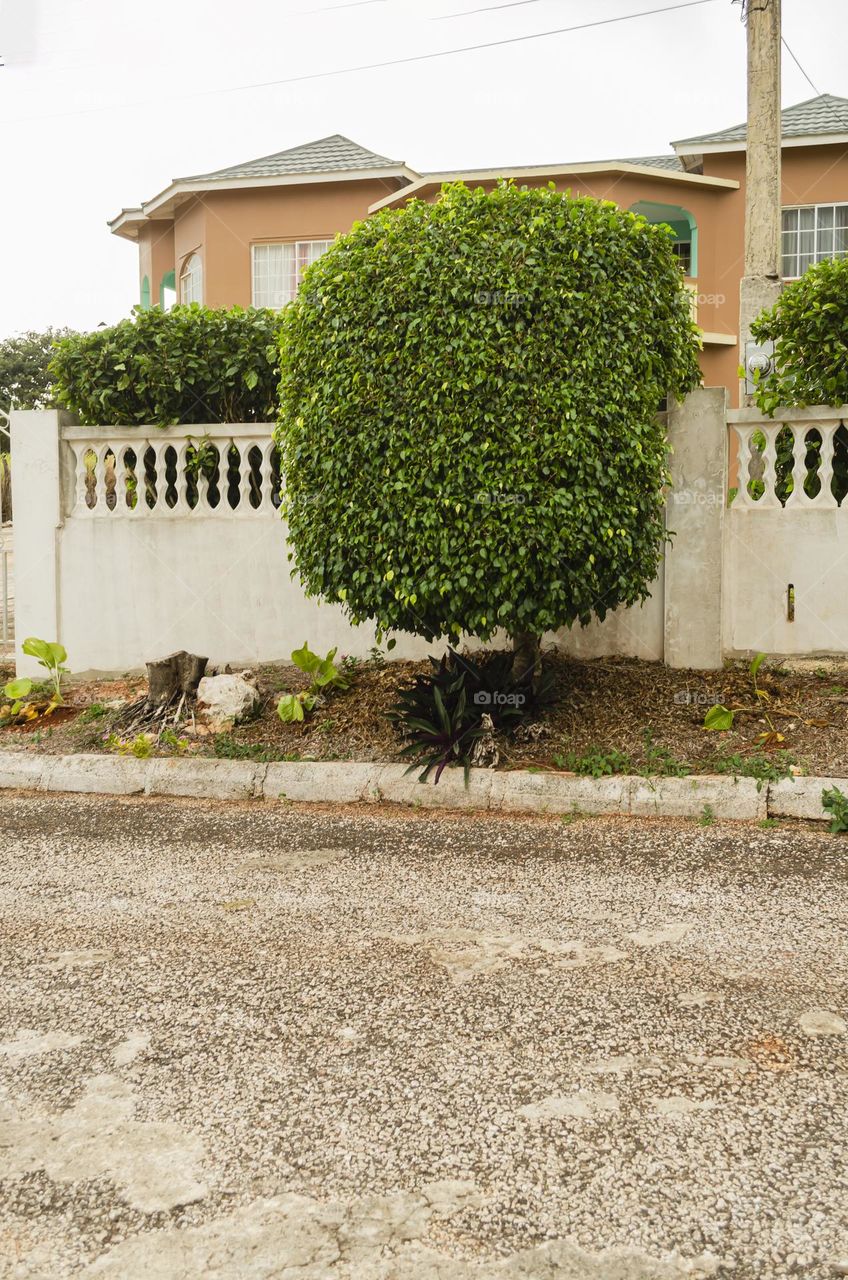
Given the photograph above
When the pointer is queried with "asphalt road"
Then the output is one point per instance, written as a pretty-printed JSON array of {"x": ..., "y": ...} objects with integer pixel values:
[{"x": 265, "y": 1041}]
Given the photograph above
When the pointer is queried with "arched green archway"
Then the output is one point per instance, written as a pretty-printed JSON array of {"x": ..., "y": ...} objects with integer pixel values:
[{"x": 681, "y": 222}]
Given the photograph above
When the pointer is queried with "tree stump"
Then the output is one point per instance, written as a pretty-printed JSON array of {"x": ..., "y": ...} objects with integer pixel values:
[{"x": 170, "y": 678}]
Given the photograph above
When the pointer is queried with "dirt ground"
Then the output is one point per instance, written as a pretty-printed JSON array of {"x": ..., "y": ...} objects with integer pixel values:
[{"x": 604, "y": 716}]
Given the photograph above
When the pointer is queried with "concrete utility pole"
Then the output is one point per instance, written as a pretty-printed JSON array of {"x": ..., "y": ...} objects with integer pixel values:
[{"x": 761, "y": 284}]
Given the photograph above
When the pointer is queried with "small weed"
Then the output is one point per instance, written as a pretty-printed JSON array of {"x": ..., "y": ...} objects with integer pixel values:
[
  {"x": 170, "y": 739},
  {"x": 660, "y": 761},
  {"x": 835, "y": 802},
  {"x": 768, "y": 824},
  {"x": 707, "y": 817},
  {"x": 326, "y": 726},
  {"x": 595, "y": 763},
  {"x": 225, "y": 747},
  {"x": 141, "y": 746},
  {"x": 765, "y": 768},
  {"x": 95, "y": 712},
  {"x": 576, "y": 815}
]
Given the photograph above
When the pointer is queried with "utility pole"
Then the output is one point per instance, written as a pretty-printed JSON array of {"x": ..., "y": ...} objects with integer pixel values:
[{"x": 760, "y": 286}]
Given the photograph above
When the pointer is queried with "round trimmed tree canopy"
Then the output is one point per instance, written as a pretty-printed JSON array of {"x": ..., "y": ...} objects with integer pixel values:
[{"x": 469, "y": 430}]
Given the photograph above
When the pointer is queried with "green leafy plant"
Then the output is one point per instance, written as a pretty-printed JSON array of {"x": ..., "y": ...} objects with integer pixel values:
[
  {"x": 595, "y": 763},
  {"x": 191, "y": 364},
  {"x": 721, "y": 718},
  {"x": 764, "y": 768},
  {"x": 17, "y": 708},
  {"x": 809, "y": 328},
  {"x": 447, "y": 389},
  {"x": 435, "y": 715},
  {"x": 707, "y": 816},
  {"x": 52, "y": 656},
  {"x": 835, "y": 802},
  {"x": 324, "y": 675}
]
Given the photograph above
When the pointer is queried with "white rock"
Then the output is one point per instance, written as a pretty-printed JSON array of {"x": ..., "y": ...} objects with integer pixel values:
[
  {"x": 821, "y": 1022},
  {"x": 223, "y": 701}
]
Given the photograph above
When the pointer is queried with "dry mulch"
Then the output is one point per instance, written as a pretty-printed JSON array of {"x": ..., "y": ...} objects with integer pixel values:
[{"x": 649, "y": 713}]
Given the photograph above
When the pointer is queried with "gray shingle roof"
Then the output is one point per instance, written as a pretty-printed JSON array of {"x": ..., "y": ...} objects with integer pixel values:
[
  {"x": 656, "y": 162},
  {"x": 817, "y": 116},
  {"x": 327, "y": 155}
]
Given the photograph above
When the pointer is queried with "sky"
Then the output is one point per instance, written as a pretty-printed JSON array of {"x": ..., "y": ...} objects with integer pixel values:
[{"x": 103, "y": 102}]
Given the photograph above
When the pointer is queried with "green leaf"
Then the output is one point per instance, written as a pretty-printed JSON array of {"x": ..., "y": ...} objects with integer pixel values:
[
  {"x": 290, "y": 708},
  {"x": 719, "y": 718},
  {"x": 17, "y": 689},
  {"x": 756, "y": 664}
]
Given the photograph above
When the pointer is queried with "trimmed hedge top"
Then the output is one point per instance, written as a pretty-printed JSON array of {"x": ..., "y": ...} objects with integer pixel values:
[
  {"x": 469, "y": 428},
  {"x": 188, "y": 365}
]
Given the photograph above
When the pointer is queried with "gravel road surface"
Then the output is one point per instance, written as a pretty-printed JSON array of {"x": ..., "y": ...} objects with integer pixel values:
[{"x": 254, "y": 1041}]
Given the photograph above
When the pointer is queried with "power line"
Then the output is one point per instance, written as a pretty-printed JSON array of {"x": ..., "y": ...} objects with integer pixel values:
[
  {"x": 800, "y": 68},
  {"x": 447, "y": 53},
  {"x": 391, "y": 62},
  {"x": 486, "y": 8}
]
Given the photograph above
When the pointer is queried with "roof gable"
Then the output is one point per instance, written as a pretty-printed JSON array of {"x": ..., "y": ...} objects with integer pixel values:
[
  {"x": 334, "y": 154},
  {"x": 816, "y": 117}
]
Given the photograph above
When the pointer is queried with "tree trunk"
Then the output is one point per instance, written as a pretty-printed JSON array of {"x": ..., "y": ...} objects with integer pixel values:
[{"x": 527, "y": 653}]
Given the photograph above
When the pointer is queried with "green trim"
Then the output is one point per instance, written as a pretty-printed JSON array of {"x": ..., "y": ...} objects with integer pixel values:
[
  {"x": 145, "y": 294},
  {"x": 680, "y": 220},
  {"x": 169, "y": 281}
]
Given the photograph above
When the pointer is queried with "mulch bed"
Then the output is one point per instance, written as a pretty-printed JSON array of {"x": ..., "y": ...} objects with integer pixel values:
[{"x": 646, "y": 712}]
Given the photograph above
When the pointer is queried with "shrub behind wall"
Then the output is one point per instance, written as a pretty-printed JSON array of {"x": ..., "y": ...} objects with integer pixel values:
[{"x": 190, "y": 365}]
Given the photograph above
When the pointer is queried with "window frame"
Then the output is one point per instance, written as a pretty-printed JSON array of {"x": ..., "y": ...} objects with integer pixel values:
[
  {"x": 819, "y": 233},
  {"x": 297, "y": 246},
  {"x": 194, "y": 273}
]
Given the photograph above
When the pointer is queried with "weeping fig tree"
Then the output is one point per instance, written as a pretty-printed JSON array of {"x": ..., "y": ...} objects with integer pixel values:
[{"x": 468, "y": 427}]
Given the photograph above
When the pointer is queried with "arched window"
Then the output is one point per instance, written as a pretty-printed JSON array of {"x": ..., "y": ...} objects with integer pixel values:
[
  {"x": 191, "y": 279},
  {"x": 145, "y": 294},
  {"x": 682, "y": 224}
]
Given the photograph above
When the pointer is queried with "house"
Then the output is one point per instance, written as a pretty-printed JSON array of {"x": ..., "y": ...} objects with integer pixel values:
[{"x": 244, "y": 235}]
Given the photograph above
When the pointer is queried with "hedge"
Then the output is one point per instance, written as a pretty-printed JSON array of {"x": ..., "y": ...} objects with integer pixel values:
[{"x": 190, "y": 365}]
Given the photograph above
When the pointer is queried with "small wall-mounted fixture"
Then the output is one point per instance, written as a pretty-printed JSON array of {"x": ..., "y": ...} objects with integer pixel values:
[
  {"x": 790, "y": 602},
  {"x": 759, "y": 360}
]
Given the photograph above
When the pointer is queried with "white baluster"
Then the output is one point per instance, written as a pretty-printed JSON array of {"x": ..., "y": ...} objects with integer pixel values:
[
  {"x": 268, "y": 458},
  {"x": 769, "y": 498},
  {"x": 182, "y": 506},
  {"x": 799, "y": 470},
  {"x": 743, "y": 436},
  {"x": 825, "y": 496},
  {"x": 80, "y": 451}
]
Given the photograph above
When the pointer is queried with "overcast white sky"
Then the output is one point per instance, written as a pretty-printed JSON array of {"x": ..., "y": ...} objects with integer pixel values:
[{"x": 102, "y": 102}]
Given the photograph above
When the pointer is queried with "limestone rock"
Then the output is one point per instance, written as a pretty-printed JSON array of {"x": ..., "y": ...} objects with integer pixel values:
[{"x": 223, "y": 701}]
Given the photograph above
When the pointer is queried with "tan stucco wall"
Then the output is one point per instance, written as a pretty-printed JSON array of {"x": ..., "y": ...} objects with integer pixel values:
[
  {"x": 155, "y": 255},
  {"x": 222, "y": 225}
]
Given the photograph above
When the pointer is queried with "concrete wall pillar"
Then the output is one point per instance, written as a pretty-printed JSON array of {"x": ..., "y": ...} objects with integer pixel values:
[
  {"x": 697, "y": 433},
  {"x": 37, "y": 506}
]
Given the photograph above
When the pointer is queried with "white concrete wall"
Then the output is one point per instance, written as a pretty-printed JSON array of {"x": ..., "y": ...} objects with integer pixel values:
[{"x": 118, "y": 585}]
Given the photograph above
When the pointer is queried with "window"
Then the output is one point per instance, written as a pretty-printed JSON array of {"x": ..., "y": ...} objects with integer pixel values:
[
  {"x": 811, "y": 234},
  {"x": 683, "y": 249},
  {"x": 278, "y": 270},
  {"x": 191, "y": 279}
]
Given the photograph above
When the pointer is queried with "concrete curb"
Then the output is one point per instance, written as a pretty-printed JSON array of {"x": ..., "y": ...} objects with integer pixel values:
[{"x": 342, "y": 782}]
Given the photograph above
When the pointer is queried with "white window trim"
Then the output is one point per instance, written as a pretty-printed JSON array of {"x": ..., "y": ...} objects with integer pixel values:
[
  {"x": 818, "y": 255},
  {"x": 297, "y": 246},
  {"x": 195, "y": 276}
]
